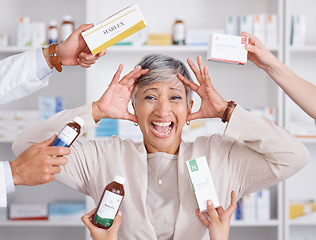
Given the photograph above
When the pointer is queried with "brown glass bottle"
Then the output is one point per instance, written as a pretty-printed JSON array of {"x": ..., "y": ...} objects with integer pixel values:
[
  {"x": 178, "y": 32},
  {"x": 67, "y": 27},
  {"x": 69, "y": 133},
  {"x": 110, "y": 202}
]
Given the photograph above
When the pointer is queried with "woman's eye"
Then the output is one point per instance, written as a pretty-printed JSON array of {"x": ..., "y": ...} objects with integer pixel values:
[
  {"x": 150, "y": 98},
  {"x": 176, "y": 98}
]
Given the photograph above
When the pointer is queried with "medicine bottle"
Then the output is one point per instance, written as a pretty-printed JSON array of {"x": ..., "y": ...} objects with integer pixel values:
[
  {"x": 69, "y": 133},
  {"x": 52, "y": 32},
  {"x": 178, "y": 32},
  {"x": 67, "y": 27},
  {"x": 110, "y": 202}
]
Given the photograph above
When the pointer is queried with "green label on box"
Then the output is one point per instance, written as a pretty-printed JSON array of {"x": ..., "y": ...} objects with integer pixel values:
[{"x": 193, "y": 165}]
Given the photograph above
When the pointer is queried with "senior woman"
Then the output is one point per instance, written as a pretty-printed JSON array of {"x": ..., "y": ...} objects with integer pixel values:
[{"x": 159, "y": 201}]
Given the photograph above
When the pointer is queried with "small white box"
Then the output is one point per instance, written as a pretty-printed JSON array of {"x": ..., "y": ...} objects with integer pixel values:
[
  {"x": 202, "y": 183},
  {"x": 28, "y": 211},
  {"x": 114, "y": 29},
  {"x": 227, "y": 48},
  {"x": 249, "y": 207},
  {"x": 272, "y": 31},
  {"x": 39, "y": 34},
  {"x": 263, "y": 205}
]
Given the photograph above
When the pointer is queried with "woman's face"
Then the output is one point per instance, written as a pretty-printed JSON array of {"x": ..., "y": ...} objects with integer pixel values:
[{"x": 161, "y": 110}]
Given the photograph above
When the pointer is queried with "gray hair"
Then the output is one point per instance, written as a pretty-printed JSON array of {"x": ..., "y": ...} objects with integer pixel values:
[{"x": 162, "y": 68}]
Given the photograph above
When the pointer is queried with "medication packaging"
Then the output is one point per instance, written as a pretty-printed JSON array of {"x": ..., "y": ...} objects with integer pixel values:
[
  {"x": 114, "y": 29},
  {"x": 227, "y": 48},
  {"x": 202, "y": 183}
]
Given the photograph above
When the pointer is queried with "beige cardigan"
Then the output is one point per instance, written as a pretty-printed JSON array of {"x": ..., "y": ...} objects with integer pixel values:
[{"x": 253, "y": 154}]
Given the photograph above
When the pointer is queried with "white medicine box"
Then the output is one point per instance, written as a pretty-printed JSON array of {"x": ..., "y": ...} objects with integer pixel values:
[{"x": 227, "y": 48}]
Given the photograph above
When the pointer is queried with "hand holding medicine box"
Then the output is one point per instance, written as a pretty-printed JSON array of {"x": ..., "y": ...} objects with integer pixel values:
[
  {"x": 227, "y": 48},
  {"x": 114, "y": 29},
  {"x": 202, "y": 183}
]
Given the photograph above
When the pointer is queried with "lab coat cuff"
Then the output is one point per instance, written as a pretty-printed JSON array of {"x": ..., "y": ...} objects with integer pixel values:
[{"x": 8, "y": 177}]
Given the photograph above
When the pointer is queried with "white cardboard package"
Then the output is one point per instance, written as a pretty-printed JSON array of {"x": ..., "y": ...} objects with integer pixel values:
[
  {"x": 202, "y": 183},
  {"x": 227, "y": 48}
]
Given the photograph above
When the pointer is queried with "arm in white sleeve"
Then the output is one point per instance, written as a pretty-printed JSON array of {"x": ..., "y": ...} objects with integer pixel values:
[{"x": 23, "y": 74}]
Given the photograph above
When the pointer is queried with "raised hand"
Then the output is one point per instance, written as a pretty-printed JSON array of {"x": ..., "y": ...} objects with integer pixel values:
[
  {"x": 114, "y": 102},
  {"x": 258, "y": 53},
  {"x": 212, "y": 103},
  {"x": 74, "y": 50}
]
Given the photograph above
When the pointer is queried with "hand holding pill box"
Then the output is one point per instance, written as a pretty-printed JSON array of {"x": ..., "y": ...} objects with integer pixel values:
[
  {"x": 227, "y": 48},
  {"x": 114, "y": 29}
]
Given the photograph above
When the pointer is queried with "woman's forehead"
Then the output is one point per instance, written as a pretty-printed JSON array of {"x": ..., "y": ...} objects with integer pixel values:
[{"x": 170, "y": 83}]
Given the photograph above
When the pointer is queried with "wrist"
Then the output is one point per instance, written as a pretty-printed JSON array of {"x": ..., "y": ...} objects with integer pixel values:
[
  {"x": 228, "y": 111},
  {"x": 17, "y": 180},
  {"x": 97, "y": 114}
]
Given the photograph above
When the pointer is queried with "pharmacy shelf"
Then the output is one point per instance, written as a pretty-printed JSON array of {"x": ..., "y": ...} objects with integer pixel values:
[
  {"x": 14, "y": 49},
  {"x": 307, "y": 49},
  {"x": 40, "y": 223},
  {"x": 268, "y": 223},
  {"x": 307, "y": 139}
]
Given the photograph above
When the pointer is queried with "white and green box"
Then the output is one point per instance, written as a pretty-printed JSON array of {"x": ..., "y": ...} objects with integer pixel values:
[{"x": 202, "y": 183}]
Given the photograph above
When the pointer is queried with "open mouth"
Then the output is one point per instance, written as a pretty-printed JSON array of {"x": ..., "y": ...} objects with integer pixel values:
[{"x": 162, "y": 128}]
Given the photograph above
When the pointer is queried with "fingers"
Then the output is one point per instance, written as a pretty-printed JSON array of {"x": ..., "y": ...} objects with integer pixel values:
[
  {"x": 84, "y": 27},
  {"x": 117, "y": 222},
  {"x": 211, "y": 212},
  {"x": 232, "y": 207},
  {"x": 46, "y": 143},
  {"x": 187, "y": 82},
  {"x": 56, "y": 150},
  {"x": 195, "y": 70},
  {"x": 131, "y": 77},
  {"x": 117, "y": 75},
  {"x": 59, "y": 161},
  {"x": 202, "y": 218},
  {"x": 86, "y": 219}
]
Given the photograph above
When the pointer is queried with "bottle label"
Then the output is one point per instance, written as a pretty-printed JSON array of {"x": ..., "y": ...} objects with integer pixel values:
[
  {"x": 53, "y": 35},
  {"x": 65, "y": 137},
  {"x": 108, "y": 208}
]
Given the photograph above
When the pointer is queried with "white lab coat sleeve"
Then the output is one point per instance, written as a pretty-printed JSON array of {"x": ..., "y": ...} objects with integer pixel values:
[{"x": 18, "y": 76}]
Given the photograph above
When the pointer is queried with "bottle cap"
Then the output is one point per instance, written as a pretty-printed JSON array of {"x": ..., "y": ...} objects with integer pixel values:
[
  {"x": 67, "y": 18},
  {"x": 52, "y": 23},
  {"x": 119, "y": 179},
  {"x": 79, "y": 120}
]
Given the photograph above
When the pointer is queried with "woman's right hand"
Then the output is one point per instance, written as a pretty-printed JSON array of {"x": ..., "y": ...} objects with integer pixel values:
[
  {"x": 114, "y": 102},
  {"x": 258, "y": 53}
]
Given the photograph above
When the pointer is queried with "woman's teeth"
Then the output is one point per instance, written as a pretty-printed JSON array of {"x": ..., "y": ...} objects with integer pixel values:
[{"x": 162, "y": 128}]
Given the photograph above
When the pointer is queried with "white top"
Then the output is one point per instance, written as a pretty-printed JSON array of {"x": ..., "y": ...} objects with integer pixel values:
[
  {"x": 245, "y": 159},
  {"x": 163, "y": 199}
]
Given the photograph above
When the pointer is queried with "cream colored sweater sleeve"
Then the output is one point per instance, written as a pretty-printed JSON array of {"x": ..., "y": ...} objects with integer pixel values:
[{"x": 268, "y": 153}]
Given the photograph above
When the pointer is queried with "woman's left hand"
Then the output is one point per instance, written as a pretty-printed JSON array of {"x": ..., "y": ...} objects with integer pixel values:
[{"x": 212, "y": 103}]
